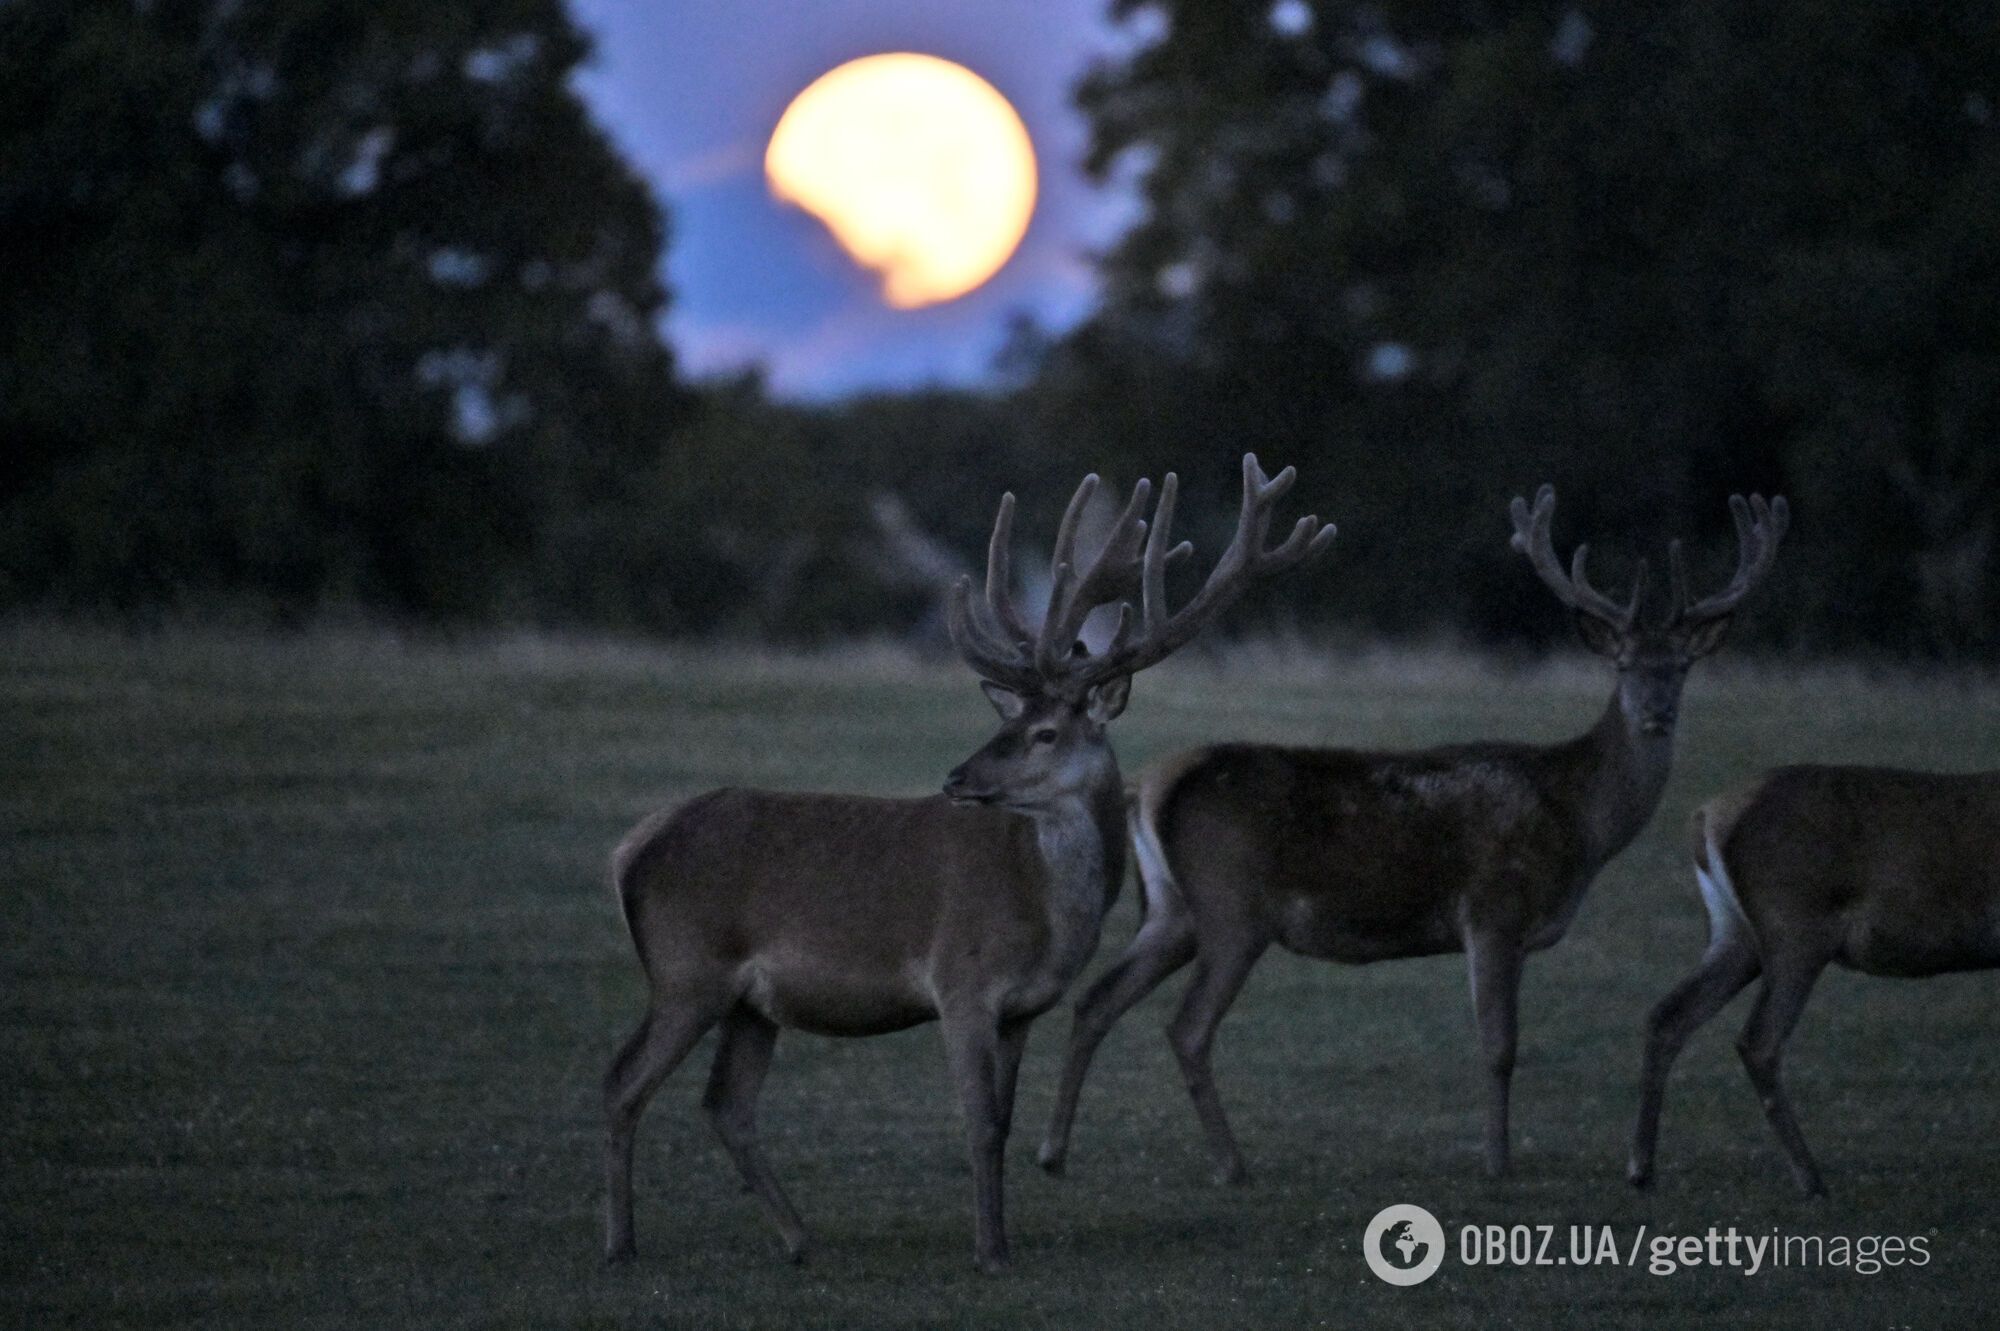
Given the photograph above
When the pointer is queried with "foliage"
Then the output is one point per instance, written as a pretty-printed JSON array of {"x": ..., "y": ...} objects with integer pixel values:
[
  {"x": 318, "y": 304},
  {"x": 1653, "y": 252},
  {"x": 317, "y": 301}
]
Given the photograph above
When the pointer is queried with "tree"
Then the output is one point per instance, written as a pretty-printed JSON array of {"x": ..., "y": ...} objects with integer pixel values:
[
  {"x": 1656, "y": 251},
  {"x": 318, "y": 299}
]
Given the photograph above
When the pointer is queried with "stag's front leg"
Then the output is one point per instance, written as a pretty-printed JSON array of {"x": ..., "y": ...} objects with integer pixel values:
[
  {"x": 1494, "y": 960},
  {"x": 975, "y": 1049},
  {"x": 1007, "y": 1051}
]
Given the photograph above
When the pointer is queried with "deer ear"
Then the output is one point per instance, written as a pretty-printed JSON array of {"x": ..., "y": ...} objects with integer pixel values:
[
  {"x": 1005, "y": 701},
  {"x": 1108, "y": 699},
  {"x": 1599, "y": 636},
  {"x": 1705, "y": 637}
]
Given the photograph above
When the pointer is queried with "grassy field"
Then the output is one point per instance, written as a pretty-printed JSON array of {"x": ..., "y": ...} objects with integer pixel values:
[{"x": 310, "y": 971}]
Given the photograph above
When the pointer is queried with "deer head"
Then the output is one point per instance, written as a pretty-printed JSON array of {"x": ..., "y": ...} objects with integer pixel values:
[
  {"x": 1054, "y": 697},
  {"x": 1652, "y": 660}
]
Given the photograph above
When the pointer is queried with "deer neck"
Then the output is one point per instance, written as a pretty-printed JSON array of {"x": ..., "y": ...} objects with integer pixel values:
[
  {"x": 1622, "y": 773},
  {"x": 1081, "y": 840}
]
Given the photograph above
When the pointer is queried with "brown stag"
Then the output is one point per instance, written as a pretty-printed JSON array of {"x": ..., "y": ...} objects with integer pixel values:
[
  {"x": 756, "y": 911},
  {"x": 1358, "y": 857}
]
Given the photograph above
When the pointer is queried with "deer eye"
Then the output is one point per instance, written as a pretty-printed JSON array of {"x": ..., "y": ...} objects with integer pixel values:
[{"x": 1046, "y": 735}]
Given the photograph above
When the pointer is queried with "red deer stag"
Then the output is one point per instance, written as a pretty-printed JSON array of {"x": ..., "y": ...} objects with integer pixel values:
[
  {"x": 1882, "y": 871},
  {"x": 755, "y": 910},
  {"x": 1357, "y": 857}
]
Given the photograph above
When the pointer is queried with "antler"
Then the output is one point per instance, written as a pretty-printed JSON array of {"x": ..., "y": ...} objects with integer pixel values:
[
  {"x": 991, "y": 635},
  {"x": 1760, "y": 526},
  {"x": 1573, "y": 589},
  {"x": 1242, "y": 562},
  {"x": 994, "y": 641},
  {"x": 1112, "y": 576}
]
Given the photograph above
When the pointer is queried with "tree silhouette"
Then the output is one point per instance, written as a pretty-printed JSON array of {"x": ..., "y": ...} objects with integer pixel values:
[
  {"x": 317, "y": 299},
  {"x": 1652, "y": 251}
]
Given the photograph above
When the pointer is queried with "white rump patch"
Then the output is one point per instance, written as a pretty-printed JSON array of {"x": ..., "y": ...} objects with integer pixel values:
[
  {"x": 1718, "y": 893},
  {"x": 1156, "y": 879}
]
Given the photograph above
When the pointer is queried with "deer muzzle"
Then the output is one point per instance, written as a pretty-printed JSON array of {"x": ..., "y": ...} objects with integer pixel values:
[{"x": 959, "y": 789}]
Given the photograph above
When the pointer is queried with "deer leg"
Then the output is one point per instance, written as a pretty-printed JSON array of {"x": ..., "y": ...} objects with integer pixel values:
[
  {"x": 1218, "y": 978},
  {"x": 1162, "y": 946},
  {"x": 1788, "y": 983},
  {"x": 1729, "y": 964},
  {"x": 972, "y": 1045},
  {"x": 742, "y": 1058},
  {"x": 1007, "y": 1051},
  {"x": 1495, "y": 964},
  {"x": 653, "y": 1051}
]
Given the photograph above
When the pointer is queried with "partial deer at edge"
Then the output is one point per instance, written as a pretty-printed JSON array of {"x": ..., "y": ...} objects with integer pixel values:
[
  {"x": 1882, "y": 871},
  {"x": 843, "y": 915},
  {"x": 1358, "y": 857}
]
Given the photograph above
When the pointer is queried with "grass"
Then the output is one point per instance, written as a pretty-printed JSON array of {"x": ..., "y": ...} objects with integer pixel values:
[{"x": 310, "y": 971}]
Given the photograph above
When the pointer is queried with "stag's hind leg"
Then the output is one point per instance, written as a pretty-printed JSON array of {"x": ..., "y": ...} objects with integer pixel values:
[
  {"x": 1220, "y": 971},
  {"x": 663, "y": 1039},
  {"x": 1788, "y": 982},
  {"x": 1163, "y": 945},
  {"x": 1729, "y": 964},
  {"x": 742, "y": 1058}
]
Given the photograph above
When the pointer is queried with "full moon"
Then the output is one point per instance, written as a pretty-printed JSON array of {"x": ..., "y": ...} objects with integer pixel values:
[{"x": 919, "y": 168}]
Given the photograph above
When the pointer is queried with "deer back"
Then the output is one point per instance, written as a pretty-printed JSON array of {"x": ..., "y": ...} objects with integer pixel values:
[
  {"x": 1366, "y": 856},
  {"x": 1893, "y": 872}
]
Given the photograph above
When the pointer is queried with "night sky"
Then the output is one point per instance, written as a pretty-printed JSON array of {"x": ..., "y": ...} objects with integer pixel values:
[{"x": 690, "y": 92}]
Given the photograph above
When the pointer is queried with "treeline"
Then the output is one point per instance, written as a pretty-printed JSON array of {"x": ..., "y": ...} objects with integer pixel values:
[
  {"x": 346, "y": 304},
  {"x": 320, "y": 302}
]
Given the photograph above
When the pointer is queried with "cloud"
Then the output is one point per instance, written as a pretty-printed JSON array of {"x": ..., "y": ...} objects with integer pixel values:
[{"x": 714, "y": 167}]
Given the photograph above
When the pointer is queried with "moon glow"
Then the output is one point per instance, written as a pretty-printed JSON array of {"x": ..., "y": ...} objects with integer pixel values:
[{"x": 921, "y": 170}]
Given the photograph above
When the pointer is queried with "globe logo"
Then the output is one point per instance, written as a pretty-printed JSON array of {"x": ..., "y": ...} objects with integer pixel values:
[
  {"x": 1404, "y": 1245},
  {"x": 1403, "y": 1235}
]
